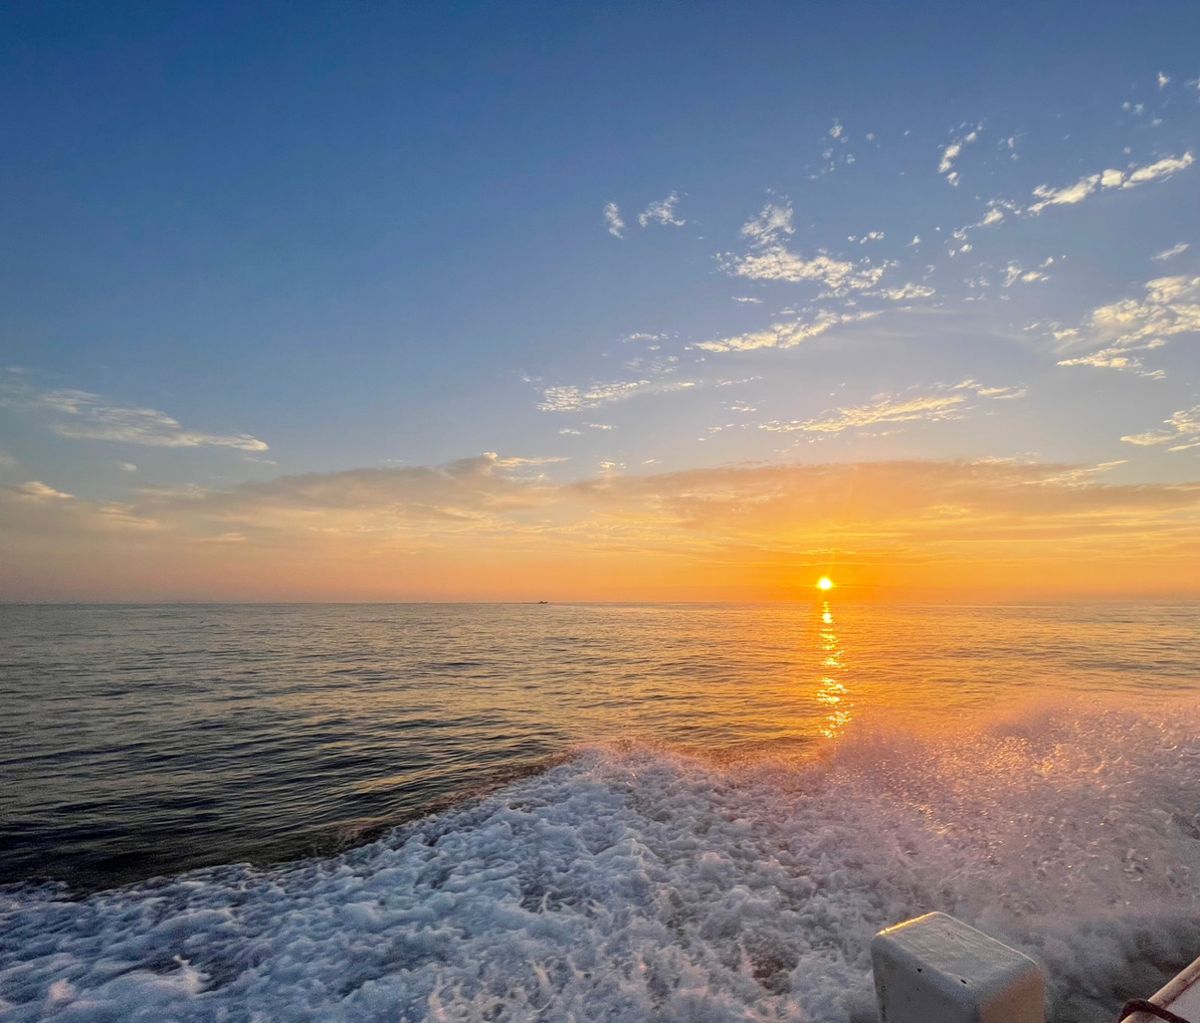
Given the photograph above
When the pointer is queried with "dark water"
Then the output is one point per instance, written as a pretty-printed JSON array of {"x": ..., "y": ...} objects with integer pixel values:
[{"x": 142, "y": 740}]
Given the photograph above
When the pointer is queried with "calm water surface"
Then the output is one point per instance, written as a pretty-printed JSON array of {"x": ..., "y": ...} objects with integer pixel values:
[{"x": 142, "y": 740}]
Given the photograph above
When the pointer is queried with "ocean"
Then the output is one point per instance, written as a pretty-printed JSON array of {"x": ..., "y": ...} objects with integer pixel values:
[{"x": 584, "y": 812}]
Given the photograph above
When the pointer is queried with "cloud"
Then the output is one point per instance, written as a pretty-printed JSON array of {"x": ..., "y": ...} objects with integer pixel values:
[
  {"x": 771, "y": 260},
  {"x": 1182, "y": 432},
  {"x": 470, "y": 528},
  {"x": 38, "y": 491},
  {"x": 1171, "y": 307},
  {"x": 944, "y": 402},
  {"x": 777, "y": 263},
  {"x": 1069, "y": 195},
  {"x": 1163, "y": 79},
  {"x": 612, "y": 217},
  {"x": 1014, "y": 274},
  {"x": 1175, "y": 250},
  {"x": 662, "y": 212},
  {"x": 1164, "y": 168},
  {"x": 1072, "y": 194},
  {"x": 572, "y": 398},
  {"x": 508, "y": 462},
  {"x": 887, "y": 409},
  {"x": 784, "y": 335},
  {"x": 1080, "y": 475},
  {"x": 773, "y": 222},
  {"x": 953, "y": 151},
  {"x": 998, "y": 393},
  {"x": 907, "y": 292},
  {"x": 1118, "y": 359},
  {"x": 81, "y": 415}
]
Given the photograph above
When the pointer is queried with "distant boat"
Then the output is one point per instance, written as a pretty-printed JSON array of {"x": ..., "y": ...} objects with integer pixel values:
[{"x": 543, "y": 602}]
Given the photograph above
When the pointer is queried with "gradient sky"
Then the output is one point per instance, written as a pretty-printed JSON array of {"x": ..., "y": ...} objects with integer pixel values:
[{"x": 637, "y": 301}]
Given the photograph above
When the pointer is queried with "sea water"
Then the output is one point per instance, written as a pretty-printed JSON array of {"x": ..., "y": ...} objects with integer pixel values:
[{"x": 584, "y": 812}]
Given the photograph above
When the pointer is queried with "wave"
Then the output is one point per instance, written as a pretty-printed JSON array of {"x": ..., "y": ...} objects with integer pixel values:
[{"x": 636, "y": 882}]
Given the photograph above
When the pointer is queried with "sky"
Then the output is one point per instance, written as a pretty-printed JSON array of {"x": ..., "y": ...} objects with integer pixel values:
[{"x": 599, "y": 302}]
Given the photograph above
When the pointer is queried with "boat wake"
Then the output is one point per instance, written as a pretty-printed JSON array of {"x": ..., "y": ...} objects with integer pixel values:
[{"x": 636, "y": 883}]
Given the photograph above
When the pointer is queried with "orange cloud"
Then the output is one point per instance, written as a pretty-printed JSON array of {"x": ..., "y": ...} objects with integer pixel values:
[{"x": 484, "y": 528}]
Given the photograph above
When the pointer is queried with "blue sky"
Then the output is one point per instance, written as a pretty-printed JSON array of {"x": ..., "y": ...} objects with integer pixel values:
[{"x": 250, "y": 241}]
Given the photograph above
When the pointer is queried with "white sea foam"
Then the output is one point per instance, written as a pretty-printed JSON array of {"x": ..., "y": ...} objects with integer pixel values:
[{"x": 637, "y": 884}]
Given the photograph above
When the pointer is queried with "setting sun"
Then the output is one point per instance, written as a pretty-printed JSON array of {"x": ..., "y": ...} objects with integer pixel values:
[{"x": 824, "y": 583}]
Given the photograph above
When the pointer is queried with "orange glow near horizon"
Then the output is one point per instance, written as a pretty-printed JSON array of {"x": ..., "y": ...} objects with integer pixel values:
[{"x": 478, "y": 530}]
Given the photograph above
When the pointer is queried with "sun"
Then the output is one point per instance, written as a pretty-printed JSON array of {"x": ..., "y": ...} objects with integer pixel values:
[{"x": 825, "y": 583}]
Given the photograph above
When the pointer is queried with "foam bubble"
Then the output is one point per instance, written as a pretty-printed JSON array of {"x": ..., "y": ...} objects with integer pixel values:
[{"x": 635, "y": 883}]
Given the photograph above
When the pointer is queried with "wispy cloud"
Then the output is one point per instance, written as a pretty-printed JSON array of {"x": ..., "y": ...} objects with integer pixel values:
[
  {"x": 662, "y": 212},
  {"x": 1078, "y": 475},
  {"x": 573, "y": 398},
  {"x": 1182, "y": 432},
  {"x": 1124, "y": 359},
  {"x": 994, "y": 214},
  {"x": 941, "y": 403},
  {"x": 784, "y": 335},
  {"x": 510, "y": 462},
  {"x": 777, "y": 263},
  {"x": 1069, "y": 195},
  {"x": 907, "y": 292},
  {"x": 36, "y": 490},
  {"x": 771, "y": 260},
  {"x": 612, "y": 218},
  {"x": 1163, "y": 168},
  {"x": 952, "y": 151},
  {"x": 984, "y": 391},
  {"x": 82, "y": 415},
  {"x": 473, "y": 528},
  {"x": 1014, "y": 273},
  {"x": 1175, "y": 250},
  {"x": 1171, "y": 307},
  {"x": 773, "y": 222}
]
